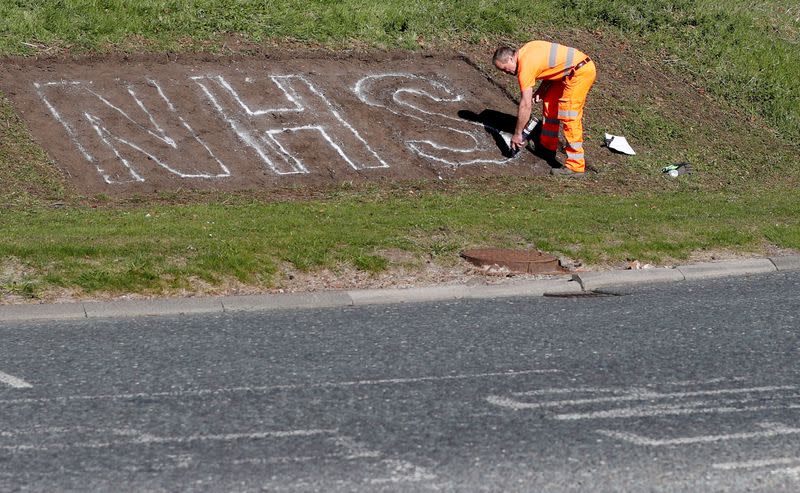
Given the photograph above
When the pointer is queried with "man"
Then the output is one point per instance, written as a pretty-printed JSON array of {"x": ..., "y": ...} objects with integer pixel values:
[{"x": 567, "y": 75}]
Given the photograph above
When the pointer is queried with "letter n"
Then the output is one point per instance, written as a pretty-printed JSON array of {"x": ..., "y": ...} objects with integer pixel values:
[{"x": 129, "y": 131}]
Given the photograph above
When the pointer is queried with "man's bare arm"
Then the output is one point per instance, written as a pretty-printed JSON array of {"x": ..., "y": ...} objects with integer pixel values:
[{"x": 523, "y": 115}]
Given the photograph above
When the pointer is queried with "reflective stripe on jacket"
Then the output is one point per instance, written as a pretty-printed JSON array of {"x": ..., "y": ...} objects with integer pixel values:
[{"x": 543, "y": 60}]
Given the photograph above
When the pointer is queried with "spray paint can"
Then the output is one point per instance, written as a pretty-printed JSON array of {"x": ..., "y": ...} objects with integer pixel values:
[{"x": 526, "y": 134}]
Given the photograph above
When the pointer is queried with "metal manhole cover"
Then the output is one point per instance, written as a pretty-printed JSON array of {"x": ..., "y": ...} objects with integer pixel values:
[{"x": 524, "y": 261}]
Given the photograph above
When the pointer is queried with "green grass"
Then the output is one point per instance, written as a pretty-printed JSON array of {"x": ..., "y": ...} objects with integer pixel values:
[
  {"x": 745, "y": 53},
  {"x": 26, "y": 174},
  {"x": 164, "y": 249}
]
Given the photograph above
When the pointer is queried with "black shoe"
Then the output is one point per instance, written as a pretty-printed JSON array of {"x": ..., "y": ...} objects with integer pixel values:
[{"x": 564, "y": 171}]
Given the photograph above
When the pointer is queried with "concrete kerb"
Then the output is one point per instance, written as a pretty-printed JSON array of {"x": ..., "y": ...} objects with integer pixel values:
[
  {"x": 590, "y": 281},
  {"x": 453, "y": 292},
  {"x": 60, "y": 311},
  {"x": 787, "y": 263},
  {"x": 140, "y": 308},
  {"x": 710, "y": 270},
  {"x": 707, "y": 270},
  {"x": 324, "y": 299},
  {"x": 584, "y": 281}
]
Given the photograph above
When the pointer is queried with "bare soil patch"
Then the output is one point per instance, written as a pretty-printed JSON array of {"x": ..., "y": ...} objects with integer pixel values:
[
  {"x": 258, "y": 119},
  {"x": 121, "y": 125}
]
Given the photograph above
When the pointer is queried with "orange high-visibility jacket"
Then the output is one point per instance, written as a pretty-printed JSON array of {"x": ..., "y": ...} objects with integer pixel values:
[{"x": 546, "y": 61}]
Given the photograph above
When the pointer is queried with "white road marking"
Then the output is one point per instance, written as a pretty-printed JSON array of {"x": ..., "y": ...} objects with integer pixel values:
[
  {"x": 754, "y": 464},
  {"x": 794, "y": 472},
  {"x": 13, "y": 381},
  {"x": 272, "y": 388},
  {"x": 641, "y": 393},
  {"x": 59, "y": 430},
  {"x": 403, "y": 472},
  {"x": 148, "y": 439},
  {"x": 668, "y": 410},
  {"x": 400, "y": 471},
  {"x": 302, "y": 458},
  {"x": 181, "y": 461},
  {"x": 261, "y": 461},
  {"x": 350, "y": 450},
  {"x": 637, "y": 394},
  {"x": 353, "y": 449},
  {"x": 689, "y": 383},
  {"x": 715, "y": 405},
  {"x": 770, "y": 430},
  {"x": 621, "y": 390}
]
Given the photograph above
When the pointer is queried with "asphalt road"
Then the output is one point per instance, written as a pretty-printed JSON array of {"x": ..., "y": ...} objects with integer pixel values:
[{"x": 676, "y": 387}]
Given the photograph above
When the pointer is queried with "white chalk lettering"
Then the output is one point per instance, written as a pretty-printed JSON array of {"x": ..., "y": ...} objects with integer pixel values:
[
  {"x": 460, "y": 142},
  {"x": 136, "y": 128},
  {"x": 273, "y": 120}
]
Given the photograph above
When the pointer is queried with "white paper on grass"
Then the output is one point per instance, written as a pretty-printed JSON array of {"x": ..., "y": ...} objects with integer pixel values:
[{"x": 619, "y": 144}]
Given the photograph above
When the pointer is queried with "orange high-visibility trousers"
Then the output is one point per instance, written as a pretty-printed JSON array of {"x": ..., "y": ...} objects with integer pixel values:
[{"x": 563, "y": 105}]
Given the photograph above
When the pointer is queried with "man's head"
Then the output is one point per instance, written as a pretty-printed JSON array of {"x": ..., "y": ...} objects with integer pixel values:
[{"x": 505, "y": 59}]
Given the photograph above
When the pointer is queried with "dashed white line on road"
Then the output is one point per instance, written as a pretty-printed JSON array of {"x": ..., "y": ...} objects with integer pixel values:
[
  {"x": 404, "y": 471},
  {"x": 628, "y": 391},
  {"x": 651, "y": 403},
  {"x": 271, "y": 388},
  {"x": 793, "y": 472},
  {"x": 754, "y": 464},
  {"x": 148, "y": 439},
  {"x": 669, "y": 410},
  {"x": 770, "y": 430},
  {"x": 634, "y": 395},
  {"x": 13, "y": 381}
]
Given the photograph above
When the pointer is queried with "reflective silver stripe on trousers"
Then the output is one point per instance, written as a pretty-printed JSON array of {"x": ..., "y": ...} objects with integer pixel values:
[
  {"x": 550, "y": 133},
  {"x": 570, "y": 59},
  {"x": 567, "y": 114},
  {"x": 553, "y": 53},
  {"x": 572, "y": 155},
  {"x": 575, "y": 145},
  {"x": 552, "y": 121}
]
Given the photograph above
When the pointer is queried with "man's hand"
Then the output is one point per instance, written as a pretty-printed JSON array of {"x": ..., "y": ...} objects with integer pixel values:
[
  {"x": 543, "y": 87},
  {"x": 517, "y": 142}
]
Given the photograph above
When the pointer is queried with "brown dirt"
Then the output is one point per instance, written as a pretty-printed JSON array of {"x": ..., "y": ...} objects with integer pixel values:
[
  {"x": 114, "y": 147},
  {"x": 627, "y": 81}
]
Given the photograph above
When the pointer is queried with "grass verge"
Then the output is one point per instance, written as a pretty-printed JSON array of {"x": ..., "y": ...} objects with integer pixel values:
[
  {"x": 27, "y": 176},
  {"x": 744, "y": 53},
  {"x": 166, "y": 249}
]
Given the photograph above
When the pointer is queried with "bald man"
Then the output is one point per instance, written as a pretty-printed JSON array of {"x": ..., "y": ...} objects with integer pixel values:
[{"x": 567, "y": 74}]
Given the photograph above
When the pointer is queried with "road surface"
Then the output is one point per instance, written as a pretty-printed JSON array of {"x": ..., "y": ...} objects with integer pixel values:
[{"x": 673, "y": 387}]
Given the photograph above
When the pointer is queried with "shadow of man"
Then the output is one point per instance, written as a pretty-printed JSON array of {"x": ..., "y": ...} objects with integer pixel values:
[{"x": 496, "y": 123}]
